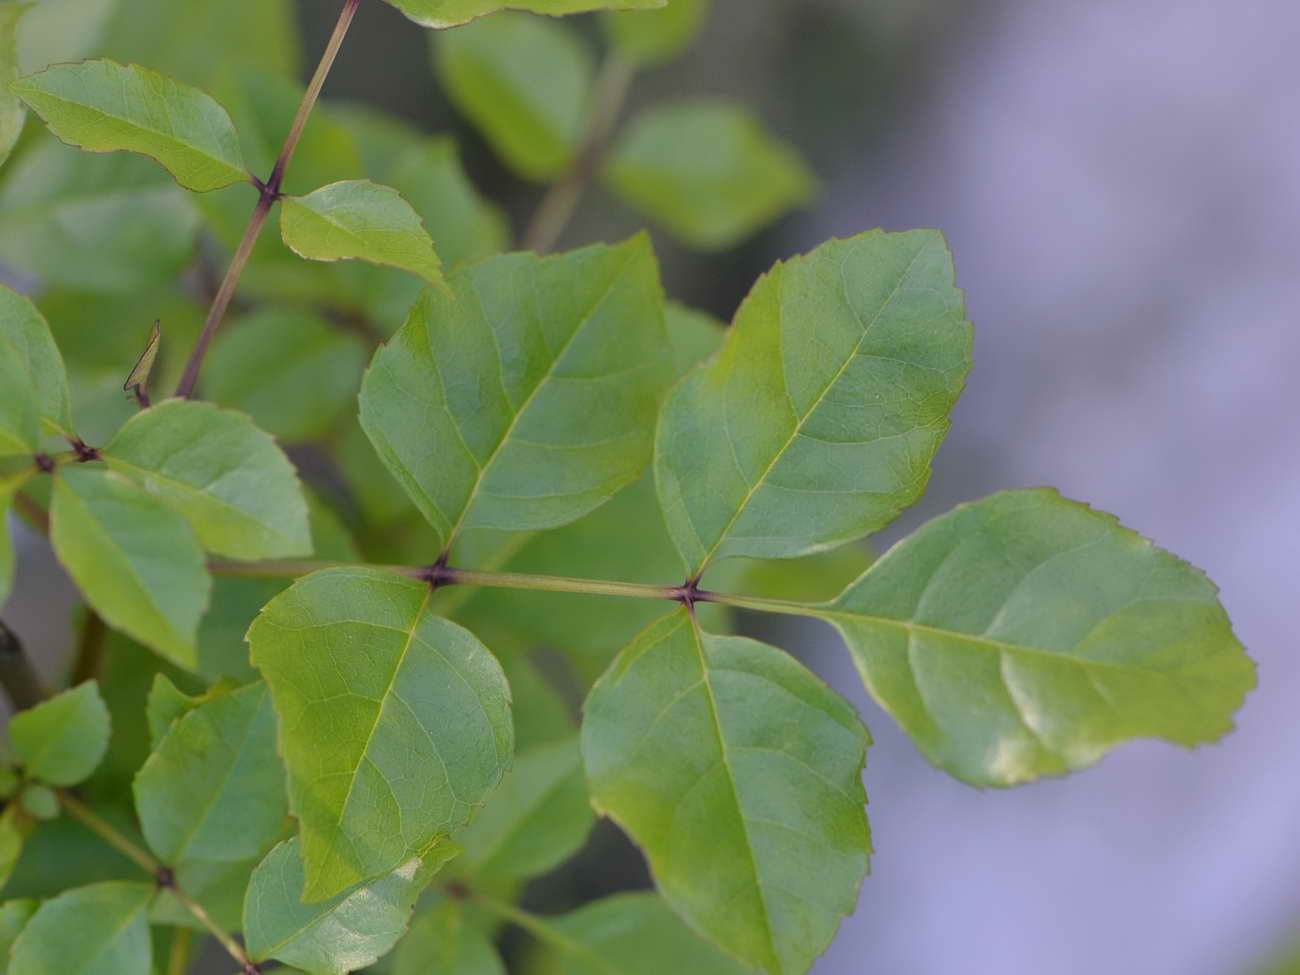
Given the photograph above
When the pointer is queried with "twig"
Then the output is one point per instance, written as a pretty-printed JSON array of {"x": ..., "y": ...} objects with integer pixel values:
[
  {"x": 178, "y": 959},
  {"x": 19, "y": 679}
]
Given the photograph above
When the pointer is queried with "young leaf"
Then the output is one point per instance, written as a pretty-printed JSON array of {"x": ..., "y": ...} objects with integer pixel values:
[
  {"x": 394, "y": 723},
  {"x": 524, "y": 82},
  {"x": 228, "y": 478},
  {"x": 655, "y": 36},
  {"x": 538, "y": 818},
  {"x": 452, "y": 13},
  {"x": 104, "y": 106},
  {"x": 136, "y": 562},
  {"x": 738, "y": 772},
  {"x": 60, "y": 741},
  {"x": 359, "y": 219},
  {"x": 137, "y": 380},
  {"x": 631, "y": 934},
  {"x": 291, "y": 371},
  {"x": 525, "y": 397},
  {"x": 708, "y": 171},
  {"x": 816, "y": 423},
  {"x": 1025, "y": 634},
  {"x": 214, "y": 788},
  {"x": 20, "y": 424},
  {"x": 12, "y": 115},
  {"x": 38, "y": 357},
  {"x": 333, "y": 937},
  {"x": 102, "y": 929},
  {"x": 443, "y": 942},
  {"x": 14, "y": 915}
]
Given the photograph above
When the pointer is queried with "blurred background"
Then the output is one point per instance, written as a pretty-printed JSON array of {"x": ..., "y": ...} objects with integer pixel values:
[{"x": 1120, "y": 185}]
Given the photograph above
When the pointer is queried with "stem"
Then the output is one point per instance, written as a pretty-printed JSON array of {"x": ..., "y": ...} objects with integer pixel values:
[
  {"x": 561, "y": 200},
  {"x": 233, "y": 948},
  {"x": 19, "y": 679},
  {"x": 762, "y": 605},
  {"x": 519, "y": 580},
  {"x": 108, "y": 833},
  {"x": 178, "y": 961},
  {"x": 32, "y": 513},
  {"x": 90, "y": 648},
  {"x": 270, "y": 192}
]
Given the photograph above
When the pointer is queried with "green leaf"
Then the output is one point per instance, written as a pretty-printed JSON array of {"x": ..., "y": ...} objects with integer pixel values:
[
  {"x": 809, "y": 579},
  {"x": 656, "y": 36},
  {"x": 114, "y": 224},
  {"x": 37, "y": 357},
  {"x": 525, "y": 397},
  {"x": 359, "y": 219},
  {"x": 816, "y": 423},
  {"x": 9, "y": 486},
  {"x": 349, "y": 931},
  {"x": 102, "y": 929},
  {"x": 214, "y": 788},
  {"x": 291, "y": 371},
  {"x": 538, "y": 818},
  {"x": 452, "y": 13},
  {"x": 11, "y": 842},
  {"x": 218, "y": 885},
  {"x": 1025, "y": 634},
  {"x": 394, "y": 723},
  {"x": 631, "y": 934},
  {"x": 165, "y": 705},
  {"x": 20, "y": 424},
  {"x": 12, "y": 115},
  {"x": 60, "y": 741},
  {"x": 14, "y": 915},
  {"x": 236, "y": 487},
  {"x": 708, "y": 171},
  {"x": 738, "y": 772},
  {"x": 136, "y": 562},
  {"x": 693, "y": 335},
  {"x": 39, "y": 802},
  {"x": 524, "y": 82},
  {"x": 443, "y": 942},
  {"x": 103, "y": 106}
]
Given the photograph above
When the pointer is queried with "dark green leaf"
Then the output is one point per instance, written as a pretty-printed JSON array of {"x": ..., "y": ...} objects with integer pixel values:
[
  {"x": 332, "y": 937},
  {"x": 524, "y": 82},
  {"x": 738, "y": 772},
  {"x": 394, "y": 723},
  {"x": 104, "y": 106},
  {"x": 214, "y": 788},
  {"x": 1025, "y": 634},
  {"x": 708, "y": 171},
  {"x": 236, "y": 487},
  {"x": 136, "y": 562},
  {"x": 102, "y": 929},
  {"x": 524, "y": 399},
  {"x": 60, "y": 741},
  {"x": 37, "y": 357},
  {"x": 656, "y": 36},
  {"x": 816, "y": 423},
  {"x": 451, "y": 13}
]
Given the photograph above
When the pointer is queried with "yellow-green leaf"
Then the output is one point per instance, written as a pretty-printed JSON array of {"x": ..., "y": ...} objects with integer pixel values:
[{"x": 452, "y": 13}]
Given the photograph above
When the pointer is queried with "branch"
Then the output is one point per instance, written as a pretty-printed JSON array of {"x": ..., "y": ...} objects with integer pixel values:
[
  {"x": 561, "y": 200},
  {"x": 270, "y": 192},
  {"x": 19, "y": 679}
]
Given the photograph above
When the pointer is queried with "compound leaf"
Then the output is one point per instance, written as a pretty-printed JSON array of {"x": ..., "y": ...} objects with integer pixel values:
[
  {"x": 102, "y": 929},
  {"x": 136, "y": 561},
  {"x": 394, "y": 723},
  {"x": 708, "y": 171},
  {"x": 356, "y": 218},
  {"x": 738, "y": 773},
  {"x": 452, "y": 13},
  {"x": 524, "y": 82},
  {"x": 236, "y": 487},
  {"x": 60, "y": 741},
  {"x": 1025, "y": 634},
  {"x": 349, "y": 931},
  {"x": 524, "y": 398},
  {"x": 214, "y": 789},
  {"x": 632, "y": 934},
  {"x": 37, "y": 357},
  {"x": 655, "y": 36},
  {"x": 104, "y": 106},
  {"x": 817, "y": 421}
]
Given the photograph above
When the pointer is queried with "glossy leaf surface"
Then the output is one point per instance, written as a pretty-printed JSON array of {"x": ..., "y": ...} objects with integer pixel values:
[
  {"x": 102, "y": 929},
  {"x": 23, "y": 326},
  {"x": 214, "y": 788},
  {"x": 60, "y": 741},
  {"x": 104, "y": 106},
  {"x": 336, "y": 936},
  {"x": 228, "y": 478},
  {"x": 523, "y": 81},
  {"x": 817, "y": 421},
  {"x": 136, "y": 562},
  {"x": 394, "y": 723},
  {"x": 450, "y": 13},
  {"x": 359, "y": 219},
  {"x": 655, "y": 36},
  {"x": 1025, "y": 634},
  {"x": 525, "y": 398},
  {"x": 708, "y": 171},
  {"x": 738, "y": 773}
]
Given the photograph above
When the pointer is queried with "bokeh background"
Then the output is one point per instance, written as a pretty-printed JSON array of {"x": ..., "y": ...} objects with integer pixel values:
[{"x": 1120, "y": 185}]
